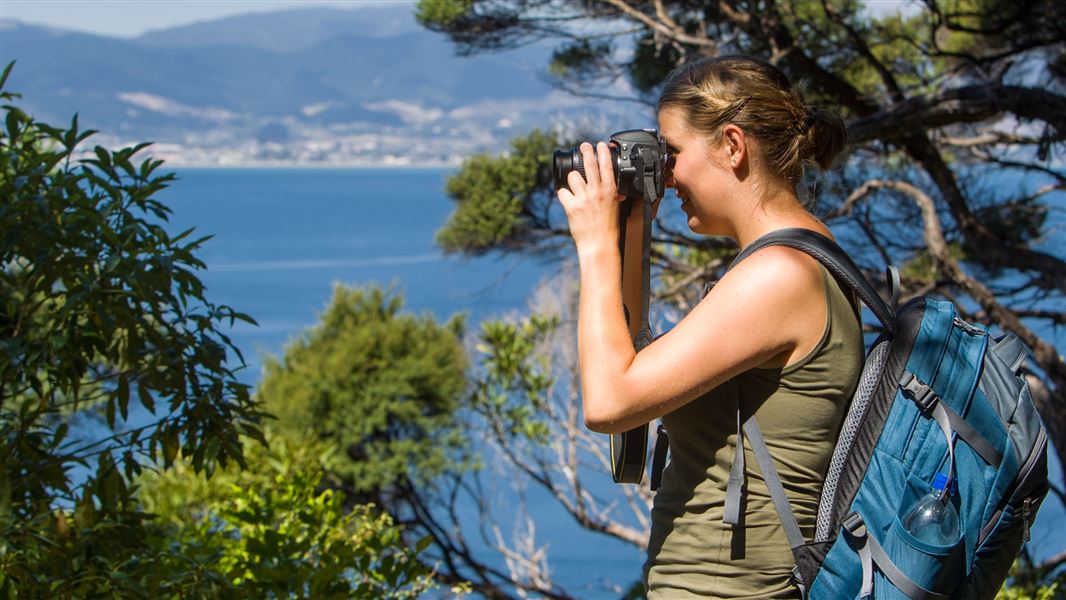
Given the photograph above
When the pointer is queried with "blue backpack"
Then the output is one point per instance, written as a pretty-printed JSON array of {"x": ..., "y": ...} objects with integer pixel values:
[{"x": 937, "y": 395}]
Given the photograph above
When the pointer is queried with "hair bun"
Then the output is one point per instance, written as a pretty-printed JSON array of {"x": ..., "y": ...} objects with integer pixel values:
[{"x": 826, "y": 136}]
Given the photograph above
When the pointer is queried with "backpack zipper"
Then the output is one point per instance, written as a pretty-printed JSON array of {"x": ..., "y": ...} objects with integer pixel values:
[
  {"x": 1023, "y": 474},
  {"x": 970, "y": 329},
  {"x": 1027, "y": 512}
]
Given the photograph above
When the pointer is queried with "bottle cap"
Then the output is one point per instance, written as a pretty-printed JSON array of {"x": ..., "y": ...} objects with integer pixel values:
[{"x": 942, "y": 480}]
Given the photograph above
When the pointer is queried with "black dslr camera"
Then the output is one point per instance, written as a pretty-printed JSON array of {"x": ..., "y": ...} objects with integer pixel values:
[{"x": 638, "y": 157}]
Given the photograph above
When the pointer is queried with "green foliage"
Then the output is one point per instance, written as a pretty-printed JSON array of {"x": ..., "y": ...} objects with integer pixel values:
[
  {"x": 496, "y": 197},
  {"x": 1018, "y": 593},
  {"x": 1026, "y": 583},
  {"x": 382, "y": 385},
  {"x": 1016, "y": 222},
  {"x": 635, "y": 592},
  {"x": 269, "y": 531},
  {"x": 441, "y": 13},
  {"x": 579, "y": 59},
  {"x": 513, "y": 388},
  {"x": 692, "y": 258},
  {"x": 920, "y": 267},
  {"x": 100, "y": 307},
  {"x": 652, "y": 62},
  {"x": 824, "y": 28}
]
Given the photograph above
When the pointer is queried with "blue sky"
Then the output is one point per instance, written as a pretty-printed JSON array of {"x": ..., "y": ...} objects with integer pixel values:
[{"x": 128, "y": 18}]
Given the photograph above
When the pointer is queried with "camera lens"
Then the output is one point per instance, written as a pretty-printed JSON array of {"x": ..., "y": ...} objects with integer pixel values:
[
  {"x": 564, "y": 161},
  {"x": 637, "y": 157}
]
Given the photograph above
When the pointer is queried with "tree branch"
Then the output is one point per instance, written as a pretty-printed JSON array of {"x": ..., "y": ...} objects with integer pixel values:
[
  {"x": 966, "y": 104},
  {"x": 669, "y": 30}
]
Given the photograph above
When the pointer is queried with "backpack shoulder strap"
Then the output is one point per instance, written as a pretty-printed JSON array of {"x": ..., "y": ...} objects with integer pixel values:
[{"x": 834, "y": 259}]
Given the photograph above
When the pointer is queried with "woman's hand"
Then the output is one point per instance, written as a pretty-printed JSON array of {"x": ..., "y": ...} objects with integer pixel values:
[{"x": 592, "y": 206}]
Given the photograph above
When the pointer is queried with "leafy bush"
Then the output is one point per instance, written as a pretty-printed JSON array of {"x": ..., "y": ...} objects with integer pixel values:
[
  {"x": 271, "y": 531},
  {"x": 100, "y": 307}
]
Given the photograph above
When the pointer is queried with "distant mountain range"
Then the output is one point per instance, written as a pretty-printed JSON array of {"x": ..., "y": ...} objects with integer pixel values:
[{"x": 305, "y": 85}]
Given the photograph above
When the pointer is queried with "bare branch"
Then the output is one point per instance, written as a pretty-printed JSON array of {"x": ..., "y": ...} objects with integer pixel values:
[
  {"x": 702, "y": 273},
  {"x": 989, "y": 138},
  {"x": 966, "y": 104},
  {"x": 1026, "y": 166},
  {"x": 1059, "y": 318},
  {"x": 671, "y": 30},
  {"x": 1053, "y": 562}
]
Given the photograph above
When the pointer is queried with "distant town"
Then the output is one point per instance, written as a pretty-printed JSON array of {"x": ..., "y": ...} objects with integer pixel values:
[
  {"x": 342, "y": 94},
  {"x": 348, "y": 145}
]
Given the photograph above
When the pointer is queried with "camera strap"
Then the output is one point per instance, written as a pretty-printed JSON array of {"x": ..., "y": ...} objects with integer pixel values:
[
  {"x": 629, "y": 450},
  {"x": 651, "y": 206}
]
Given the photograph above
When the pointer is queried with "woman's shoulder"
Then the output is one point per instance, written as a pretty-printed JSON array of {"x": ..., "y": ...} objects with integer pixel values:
[{"x": 776, "y": 268}]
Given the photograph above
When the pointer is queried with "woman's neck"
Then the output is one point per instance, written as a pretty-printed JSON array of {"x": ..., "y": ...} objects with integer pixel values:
[{"x": 770, "y": 212}]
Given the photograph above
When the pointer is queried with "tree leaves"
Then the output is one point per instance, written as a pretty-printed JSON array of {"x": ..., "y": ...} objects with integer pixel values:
[
  {"x": 385, "y": 386},
  {"x": 271, "y": 531},
  {"x": 96, "y": 299},
  {"x": 500, "y": 201}
]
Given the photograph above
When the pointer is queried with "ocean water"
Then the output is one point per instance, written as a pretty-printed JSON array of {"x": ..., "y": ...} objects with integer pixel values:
[{"x": 285, "y": 237}]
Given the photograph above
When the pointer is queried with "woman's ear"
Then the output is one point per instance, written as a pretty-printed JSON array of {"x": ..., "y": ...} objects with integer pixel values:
[{"x": 735, "y": 144}]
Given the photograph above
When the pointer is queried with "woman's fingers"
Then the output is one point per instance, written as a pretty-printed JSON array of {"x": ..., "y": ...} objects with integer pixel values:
[
  {"x": 606, "y": 168},
  {"x": 589, "y": 201},
  {"x": 592, "y": 169},
  {"x": 576, "y": 182},
  {"x": 599, "y": 176},
  {"x": 565, "y": 196}
]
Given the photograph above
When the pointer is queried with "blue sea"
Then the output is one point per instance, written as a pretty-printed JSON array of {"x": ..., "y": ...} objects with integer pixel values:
[{"x": 284, "y": 237}]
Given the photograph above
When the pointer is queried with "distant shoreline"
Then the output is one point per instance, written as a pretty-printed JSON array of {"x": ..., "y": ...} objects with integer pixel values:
[{"x": 316, "y": 166}]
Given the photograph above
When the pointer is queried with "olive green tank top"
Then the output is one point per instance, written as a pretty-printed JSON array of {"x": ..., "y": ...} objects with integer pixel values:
[{"x": 692, "y": 553}]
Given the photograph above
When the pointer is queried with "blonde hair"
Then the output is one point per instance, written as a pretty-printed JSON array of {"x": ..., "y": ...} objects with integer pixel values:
[{"x": 757, "y": 97}]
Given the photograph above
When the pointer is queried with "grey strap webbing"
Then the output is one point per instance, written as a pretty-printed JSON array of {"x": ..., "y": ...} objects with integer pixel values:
[
  {"x": 773, "y": 484},
  {"x": 1011, "y": 351},
  {"x": 871, "y": 553},
  {"x": 929, "y": 403},
  {"x": 735, "y": 488}
]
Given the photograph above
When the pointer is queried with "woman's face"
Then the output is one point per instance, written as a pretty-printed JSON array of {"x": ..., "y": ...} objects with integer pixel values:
[{"x": 695, "y": 172}]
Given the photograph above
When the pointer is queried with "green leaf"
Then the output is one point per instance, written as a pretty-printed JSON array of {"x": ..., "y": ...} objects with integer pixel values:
[
  {"x": 5, "y": 494},
  {"x": 123, "y": 396},
  {"x": 59, "y": 434},
  {"x": 145, "y": 395}
]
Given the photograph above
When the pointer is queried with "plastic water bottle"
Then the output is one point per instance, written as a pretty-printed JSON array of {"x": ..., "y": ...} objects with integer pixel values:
[{"x": 933, "y": 518}]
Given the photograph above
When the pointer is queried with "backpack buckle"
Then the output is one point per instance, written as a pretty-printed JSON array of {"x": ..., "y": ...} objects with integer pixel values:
[
  {"x": 919, "y": 392},
  {"x": 854, "y": 525}
]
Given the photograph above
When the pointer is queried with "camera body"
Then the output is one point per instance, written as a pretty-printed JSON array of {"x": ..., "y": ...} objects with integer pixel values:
[{"x": 637, "y": 156}]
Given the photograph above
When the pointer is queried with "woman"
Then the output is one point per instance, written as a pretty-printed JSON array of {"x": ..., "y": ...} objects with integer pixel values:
[{"x": 776, "y": 337}]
